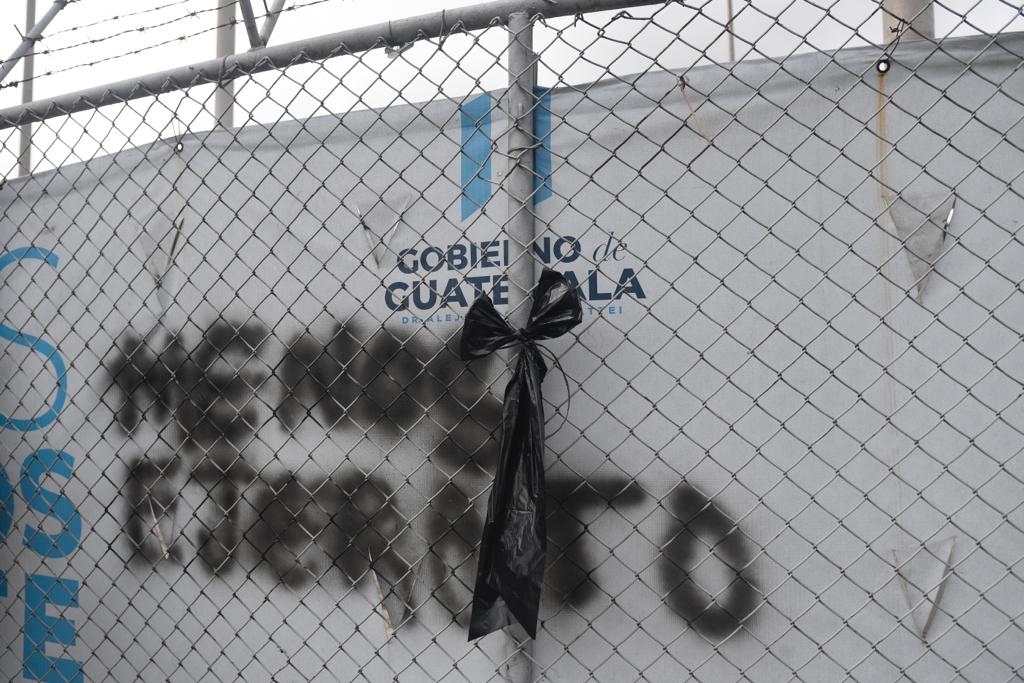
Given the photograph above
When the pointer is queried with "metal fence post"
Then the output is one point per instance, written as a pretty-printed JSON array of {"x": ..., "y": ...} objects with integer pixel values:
[
  {"x": 519, "y": 179},
  {"x": 224, "y": 100},
  {"x": 28, "y": 78},
  {"x": 520, "y": 232},
  {"x": 908, "y": 20}
]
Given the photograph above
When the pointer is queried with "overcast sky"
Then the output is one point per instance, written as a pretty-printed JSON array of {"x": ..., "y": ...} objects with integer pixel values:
[{"x": 85, "y": 46}]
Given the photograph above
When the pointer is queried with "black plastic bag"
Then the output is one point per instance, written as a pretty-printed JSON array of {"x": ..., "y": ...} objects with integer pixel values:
[{"x": 510, "y": 570}]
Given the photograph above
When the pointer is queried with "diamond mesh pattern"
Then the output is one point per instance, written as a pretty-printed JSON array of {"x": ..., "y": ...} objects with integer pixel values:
[{"x": 239, "y": 443}]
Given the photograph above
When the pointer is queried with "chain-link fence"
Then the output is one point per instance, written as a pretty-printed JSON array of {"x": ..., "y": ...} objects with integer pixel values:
[{"x": 785, "y": 442}]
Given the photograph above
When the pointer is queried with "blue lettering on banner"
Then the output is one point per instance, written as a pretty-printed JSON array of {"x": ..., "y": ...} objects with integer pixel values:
[
  {"x": 6, "y": 520},
  {"x": 476, "y": 154},
  {"x": 55, "y": 505},
  {"x": 41, "y": 590},
  {"x": 40, "y": 629},
  {"x": 37, "y": 345},
  {"x": 542, "y": 153},
  {"x": 450, "y": 276},
  {"x": 475, "y": 159}
]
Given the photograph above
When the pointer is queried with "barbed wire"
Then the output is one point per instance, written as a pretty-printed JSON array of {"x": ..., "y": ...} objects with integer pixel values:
[
  {"x": 109, "y": 40},
  {"x": 134, "y": 30},
  {"x": 118, "y": 17},
  {"x": 115, "y": 55}
]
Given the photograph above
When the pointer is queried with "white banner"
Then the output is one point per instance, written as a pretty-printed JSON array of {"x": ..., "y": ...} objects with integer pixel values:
[{"x": 239, "y": 444}]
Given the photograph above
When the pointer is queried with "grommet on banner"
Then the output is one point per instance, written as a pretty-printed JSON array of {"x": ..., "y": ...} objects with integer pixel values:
[{"x": 883, "y": 64}]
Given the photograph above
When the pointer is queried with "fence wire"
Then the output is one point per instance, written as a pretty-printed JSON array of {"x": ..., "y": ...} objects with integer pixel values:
[{"x": 239, "y": 443}]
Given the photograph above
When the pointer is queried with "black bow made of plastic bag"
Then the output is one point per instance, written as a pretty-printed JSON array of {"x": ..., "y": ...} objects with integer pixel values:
[{"x": 510, "y": 569}]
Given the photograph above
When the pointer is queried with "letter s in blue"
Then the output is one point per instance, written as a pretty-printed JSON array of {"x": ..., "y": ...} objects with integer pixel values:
[
  {"x": 52, "y": 504},
  {"x": 40, "y": 346}
]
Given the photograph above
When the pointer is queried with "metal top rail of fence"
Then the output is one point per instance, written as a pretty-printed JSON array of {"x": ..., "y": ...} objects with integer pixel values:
[
  {"x": 239, "y": 440},
  {"x": 353, "y": 41}
]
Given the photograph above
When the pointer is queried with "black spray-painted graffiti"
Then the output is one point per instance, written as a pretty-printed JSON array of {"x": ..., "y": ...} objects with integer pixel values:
[
  {"x": 702, "y": 530},
  {"x": 205, "y": 400}
]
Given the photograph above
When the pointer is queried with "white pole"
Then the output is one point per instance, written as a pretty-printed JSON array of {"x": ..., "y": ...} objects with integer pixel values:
[
  {"x": 729, "y": 29},
  {"x": 28, "y": 74},
  {"x": 224, "y": 100},
  {"x": 908, "y": 20}
]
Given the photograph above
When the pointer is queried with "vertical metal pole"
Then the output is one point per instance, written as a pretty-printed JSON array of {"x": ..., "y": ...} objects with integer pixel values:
[
  {"x": 908, "y": 20},
  {"x": 28, "y": 74},
  {"x": 729, "y": 30},
  {"x": 522, "y": 77},
  {"x": 224, "y": 100},
  {"x": 519, "y": 230}
]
